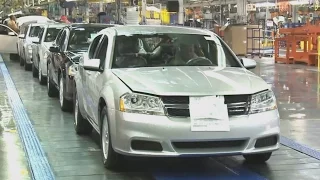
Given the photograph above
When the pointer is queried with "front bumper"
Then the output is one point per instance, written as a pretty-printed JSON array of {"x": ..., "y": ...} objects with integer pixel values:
[{"x": 147, "y": 135}]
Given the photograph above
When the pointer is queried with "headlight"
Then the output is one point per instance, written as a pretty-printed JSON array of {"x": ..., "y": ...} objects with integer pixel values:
[
  {"x": 264, "y": 101},
  {"x": 73, "y": 70},
  {"x": 140, "y": 103}
]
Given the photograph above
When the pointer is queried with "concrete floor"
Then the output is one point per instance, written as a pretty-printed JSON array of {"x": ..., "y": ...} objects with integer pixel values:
[
  {"x": 78, "y": 157},
  {"x": 13, "y": 163}
]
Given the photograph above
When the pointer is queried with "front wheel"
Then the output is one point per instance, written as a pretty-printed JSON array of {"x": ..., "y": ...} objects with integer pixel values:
[
  {"x": 27, "y": 66},
  {"x": 52, "y": 90},
  {"x": 81, "y": 125},
  {"x": 14, "y": 57},
  {"x": 21, "y": 61},
  {"x": 111, "y": 159},
  {"x": 42, "y": 79},
  {"x": 258, "y": 158},
  {"x": 65, "y": 104},
  {"x": 34, "y": 71}
]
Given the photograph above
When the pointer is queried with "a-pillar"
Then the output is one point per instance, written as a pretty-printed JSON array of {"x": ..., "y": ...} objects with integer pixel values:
[
  {"x": 242, "y": 9},
  {"x": 181, "y": 12}
]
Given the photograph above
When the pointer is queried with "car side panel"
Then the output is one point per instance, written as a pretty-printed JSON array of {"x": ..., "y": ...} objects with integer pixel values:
[{"x": 80, "y": 94}]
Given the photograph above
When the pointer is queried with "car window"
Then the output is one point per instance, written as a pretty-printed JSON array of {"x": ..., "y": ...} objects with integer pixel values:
[
  {"x": 51, "y": 34},
  {"x": 93, "y": 46},
  {"x": 171, "y": 49},
  {"x": 80, "y": 38},
  {"x": 102, "y": 50},
  {"x": 4, "y": 30},
  {"x": 34, "y": 31}
]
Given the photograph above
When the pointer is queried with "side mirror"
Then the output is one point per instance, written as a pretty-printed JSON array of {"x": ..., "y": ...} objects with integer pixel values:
[
  {"x": 91, "y": 64},
  {"x": 21, "y": 36},
  {"x": 11, "y": 34},
  {"x": 54, "y": 49},
  {"x": 248, "y": 63}
]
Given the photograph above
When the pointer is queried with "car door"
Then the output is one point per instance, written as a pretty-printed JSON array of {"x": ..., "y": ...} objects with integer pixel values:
[
  {"x": 95, "y": 80},
  {"x": 35, "y": 49},
  {"x": 8, "y": 39},
  {"x": 21, "y": 38},
  {"x": 39, "y": 52},
  {"x": 87, "y": 76},
  {"x": 62, "y": 59},
  {"x": 53, "y": 54},
  {"x": 57, "y": 56}
]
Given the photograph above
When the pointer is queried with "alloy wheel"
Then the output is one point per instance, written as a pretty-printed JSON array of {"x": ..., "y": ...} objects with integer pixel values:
[
  {"x": 61, "y": 91},
  {"x": 105, "y": 137}
]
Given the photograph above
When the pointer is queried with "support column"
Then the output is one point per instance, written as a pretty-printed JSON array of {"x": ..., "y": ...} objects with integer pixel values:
[
  {"x": 181, "y": 12},
  {"x": 86, "y": 16},
  {"x": 101, "y": 6},
  {"x": 143, "y": 11},
  {"x": 242, "y": 9},
  {"x": 118, "y": 11}
]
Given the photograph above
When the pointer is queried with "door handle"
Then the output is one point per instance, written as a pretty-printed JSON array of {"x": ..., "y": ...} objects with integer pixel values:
[{"x": 89, "y": 73}]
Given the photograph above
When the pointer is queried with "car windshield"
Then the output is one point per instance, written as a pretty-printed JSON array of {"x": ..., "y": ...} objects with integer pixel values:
[
  {"x": 158, "y": 50},
  {"x": 80, "y": 38},
  {"x": 51, "y": 34}
]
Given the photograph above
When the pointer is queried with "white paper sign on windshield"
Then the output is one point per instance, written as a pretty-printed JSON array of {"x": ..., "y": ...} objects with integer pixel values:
[{"x": 209, "y": 113}]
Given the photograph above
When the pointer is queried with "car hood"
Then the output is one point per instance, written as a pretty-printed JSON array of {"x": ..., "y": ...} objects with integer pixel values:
[{"x": 191, "y": 80}]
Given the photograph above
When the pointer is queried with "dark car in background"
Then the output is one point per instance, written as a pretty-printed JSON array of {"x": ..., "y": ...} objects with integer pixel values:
[{"x": 62, "y": 63}]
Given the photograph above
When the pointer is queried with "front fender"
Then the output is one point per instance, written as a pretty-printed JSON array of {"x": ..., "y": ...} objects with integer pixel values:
[{"x": 111, "y": 92}]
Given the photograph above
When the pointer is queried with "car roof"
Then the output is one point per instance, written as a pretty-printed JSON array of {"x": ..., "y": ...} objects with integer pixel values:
[
  {"x": 38, "y": 24},
  {"x": 156, "y": 29},
  {"x": 86, "y": 25},
  {"x": 53, "y": 25}
]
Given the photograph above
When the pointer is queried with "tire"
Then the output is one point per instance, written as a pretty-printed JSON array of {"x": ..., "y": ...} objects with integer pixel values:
[
  {"x": 52, "y": 90},
  {"x": 27, "y": 66},
  {"x": 41, "y": 78},
  {"x": 21, "y": 61},
  {"x": 34, "y": 71},
  {"x": 14, "y": 57},
  {"x": 65, "y": 104},
  {"x": 111, "y": 159},
  {"x": 258, "y": 158},
  {"x": 81, "y": 125}
]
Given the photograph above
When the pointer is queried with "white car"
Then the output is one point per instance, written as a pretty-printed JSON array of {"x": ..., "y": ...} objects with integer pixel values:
[
  {"x": 29, "y": 32},
  {"x": 40, "y": 50},
  {"x": 8, "y": 40}
]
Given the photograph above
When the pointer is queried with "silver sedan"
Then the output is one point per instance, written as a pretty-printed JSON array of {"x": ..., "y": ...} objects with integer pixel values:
[{"x": 161, "y": 91}]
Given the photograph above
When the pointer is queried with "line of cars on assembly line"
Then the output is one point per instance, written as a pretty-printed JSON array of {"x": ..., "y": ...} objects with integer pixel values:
[{"x": 146, "y": 94}]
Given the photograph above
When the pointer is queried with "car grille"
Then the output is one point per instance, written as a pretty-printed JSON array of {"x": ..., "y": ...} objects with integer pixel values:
[{"x": 179, "y": 105}]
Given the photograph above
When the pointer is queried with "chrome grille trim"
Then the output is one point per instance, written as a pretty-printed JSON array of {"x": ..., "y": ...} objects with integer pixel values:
[{"x": 234, "y": 108}]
